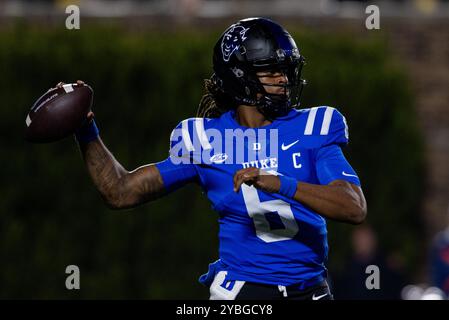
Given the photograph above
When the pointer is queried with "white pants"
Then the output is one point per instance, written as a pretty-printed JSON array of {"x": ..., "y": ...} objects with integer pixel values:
[{"x": 220, "y": 289}]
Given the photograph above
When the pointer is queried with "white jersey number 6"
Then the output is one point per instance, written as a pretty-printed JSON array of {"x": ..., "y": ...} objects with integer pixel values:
[{"x": 257, "y": 210}]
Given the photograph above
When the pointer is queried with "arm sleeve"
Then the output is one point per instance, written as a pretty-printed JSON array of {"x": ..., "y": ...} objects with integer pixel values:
[
  {"x": 175, "y": 175},
  {"x": 179, "y": 168},
  {"x": 331, "y": 165}
]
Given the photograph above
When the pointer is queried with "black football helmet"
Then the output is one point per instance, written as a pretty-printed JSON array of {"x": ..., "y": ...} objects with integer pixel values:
[{"x": 258, "y": 45}]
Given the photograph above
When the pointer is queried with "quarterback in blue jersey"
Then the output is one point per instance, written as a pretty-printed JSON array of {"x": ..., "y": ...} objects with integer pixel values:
[{"x": 273, "y": 172}]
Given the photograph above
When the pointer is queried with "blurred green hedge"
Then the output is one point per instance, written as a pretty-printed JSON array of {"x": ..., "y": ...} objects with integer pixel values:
[{"x": 146, "y": 82}]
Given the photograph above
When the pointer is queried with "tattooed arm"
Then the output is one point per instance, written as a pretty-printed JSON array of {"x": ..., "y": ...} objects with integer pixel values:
[
  {"x": 119, "y": 188},
  {"x": 339, "y": 200}
]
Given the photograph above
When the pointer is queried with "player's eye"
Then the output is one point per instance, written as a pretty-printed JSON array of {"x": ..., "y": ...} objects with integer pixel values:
[{"x": 269, "y": 74}]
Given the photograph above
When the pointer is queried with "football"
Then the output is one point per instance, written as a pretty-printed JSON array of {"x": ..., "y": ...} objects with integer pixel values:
[{"x": 58, "y": 113}]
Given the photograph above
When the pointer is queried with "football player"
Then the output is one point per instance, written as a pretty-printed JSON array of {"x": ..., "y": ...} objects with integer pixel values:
[{"x": 273, "y": 172}]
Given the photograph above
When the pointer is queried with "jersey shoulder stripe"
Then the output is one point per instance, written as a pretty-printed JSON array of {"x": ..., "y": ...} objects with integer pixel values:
[
  {"x": 326, "y": 121},
  {"x": 191, "y": 134},
  {"x": 186, "y": 136},
  {"x": 310, "y": 121},
  {"x": 201, "y": 132},
  {"x": 323, "y": 125},
  {"x": 318, "y": 121}
]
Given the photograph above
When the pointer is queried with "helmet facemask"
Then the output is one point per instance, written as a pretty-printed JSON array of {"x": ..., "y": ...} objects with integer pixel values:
[{"x": 277, "y": 99}]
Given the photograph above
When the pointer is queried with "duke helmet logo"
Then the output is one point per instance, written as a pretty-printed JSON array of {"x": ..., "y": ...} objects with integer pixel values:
[{"x": 231, "y": 42}]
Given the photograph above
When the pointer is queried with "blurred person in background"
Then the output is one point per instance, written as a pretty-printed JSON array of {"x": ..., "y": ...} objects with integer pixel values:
[
  {"x": 351, "y": 284},
  {"x": 439, "y": 260}
]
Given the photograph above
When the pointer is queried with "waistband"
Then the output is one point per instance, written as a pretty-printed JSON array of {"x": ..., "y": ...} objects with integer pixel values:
[
  {"x": 320, "y": 280},
  {"x": 302, "y": 286}
]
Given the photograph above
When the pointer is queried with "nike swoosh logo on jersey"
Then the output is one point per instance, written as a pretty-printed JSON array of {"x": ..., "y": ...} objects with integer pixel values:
[
  {"x": 318, "y": 297},
  {"x": 348, "y": 175},
  {"x": 288, "y": 146}
]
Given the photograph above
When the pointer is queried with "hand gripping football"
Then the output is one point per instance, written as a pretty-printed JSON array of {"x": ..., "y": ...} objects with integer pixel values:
[{"x": 58, "y": 113}]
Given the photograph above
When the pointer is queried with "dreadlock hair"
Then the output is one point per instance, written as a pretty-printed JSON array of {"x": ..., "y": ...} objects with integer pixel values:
[{"x": 215, "y": 101}]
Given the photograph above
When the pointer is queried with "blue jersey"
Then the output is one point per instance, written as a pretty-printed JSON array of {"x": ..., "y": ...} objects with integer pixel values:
[{"x": 264, "y": 237}]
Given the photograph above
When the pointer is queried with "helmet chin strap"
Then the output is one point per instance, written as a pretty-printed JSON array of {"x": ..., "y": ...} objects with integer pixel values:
[
  {"x": 273, "y": 111},
  {"x": 273, "y": 105}
]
